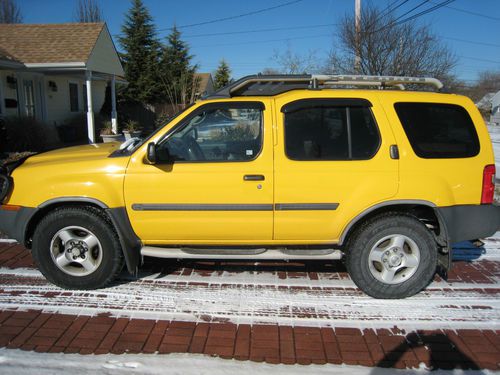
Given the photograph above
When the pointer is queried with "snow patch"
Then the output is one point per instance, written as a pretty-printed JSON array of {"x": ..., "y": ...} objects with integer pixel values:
[
  {"x": 7, "y": 240},
  {"x": 318, "y": 303},
  {"x": 17, "y": 362}
]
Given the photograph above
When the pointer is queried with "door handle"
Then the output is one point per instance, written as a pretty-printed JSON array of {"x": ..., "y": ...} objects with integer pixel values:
[{"x": 253, "y": 177}]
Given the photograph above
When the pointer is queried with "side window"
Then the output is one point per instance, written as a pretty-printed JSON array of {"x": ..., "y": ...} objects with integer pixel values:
[
  {"x": 217, "y": 133},
  {"x": 438, "y": 130},
  {"x": 329, "y": 129}
]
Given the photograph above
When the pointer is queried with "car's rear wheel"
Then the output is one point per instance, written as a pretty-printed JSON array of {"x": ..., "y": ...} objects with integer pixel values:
[
  {"x": 392, "y": 255},
  {"x": 77, "y": 248}
]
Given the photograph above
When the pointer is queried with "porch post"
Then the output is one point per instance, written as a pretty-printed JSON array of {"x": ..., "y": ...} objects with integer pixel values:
[
  {"x": 90, "y": 110},
  {"x": 114, "y": 120}
]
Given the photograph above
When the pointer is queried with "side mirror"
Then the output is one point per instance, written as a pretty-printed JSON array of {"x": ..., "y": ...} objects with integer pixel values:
[{"x": 151, "y": 153}]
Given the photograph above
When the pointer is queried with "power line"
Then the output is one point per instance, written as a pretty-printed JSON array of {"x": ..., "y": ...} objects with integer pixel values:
[
  {"x": 313, "y": 27},
  {"x": 411, "y": 10},
  {"x": 261, "y": 30},
  {"x": 474, "y": 13},
  {"x": 424, "y": 12},
  {"x": 234, "y": 17},
  {"x": 479, "y": 59},
  {"x": 471, "y": 41},
  {"x": 266, "y": 41},
  {"x": 415, "y": 16}
]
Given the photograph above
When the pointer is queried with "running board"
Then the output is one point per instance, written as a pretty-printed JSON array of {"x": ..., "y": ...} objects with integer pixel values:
[{"x": 232, "y": 254}]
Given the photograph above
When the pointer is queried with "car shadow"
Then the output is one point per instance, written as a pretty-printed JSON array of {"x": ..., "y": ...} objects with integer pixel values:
[
  {"x": 467, "y": 251},
  {"x": 436, "y": 351}
]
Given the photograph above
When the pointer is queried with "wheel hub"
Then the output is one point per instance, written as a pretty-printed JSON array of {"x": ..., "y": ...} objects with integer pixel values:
[
  {"x": 76, "y": 251},
  {"x": 394, "y": 259}
]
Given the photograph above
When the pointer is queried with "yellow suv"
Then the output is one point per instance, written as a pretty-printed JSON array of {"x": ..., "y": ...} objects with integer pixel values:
[{"x": 270, "y": 167}]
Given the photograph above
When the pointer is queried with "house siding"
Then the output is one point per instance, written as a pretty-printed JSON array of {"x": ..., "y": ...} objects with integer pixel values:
[
  {"x": 58, "y": 102},
  {"x": 101, "y": 60},
  {"x": 8, "y": 93}
]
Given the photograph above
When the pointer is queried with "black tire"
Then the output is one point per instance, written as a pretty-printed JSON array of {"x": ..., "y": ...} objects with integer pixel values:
[
  {"x": 91, "y": 219},
  {"x": 369, "y": 236}
]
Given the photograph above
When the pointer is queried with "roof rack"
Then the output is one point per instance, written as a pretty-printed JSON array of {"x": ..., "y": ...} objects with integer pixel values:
[{"x": 277, "y": 84}]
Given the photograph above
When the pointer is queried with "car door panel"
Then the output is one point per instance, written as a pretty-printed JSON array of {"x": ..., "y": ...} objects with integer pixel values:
[
  {"x": 322, "y": 196},
  {"x": 204, "y": 202}
]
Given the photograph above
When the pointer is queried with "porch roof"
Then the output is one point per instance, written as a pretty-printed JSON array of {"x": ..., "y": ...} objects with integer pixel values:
[{"x": 80, "y": 46}]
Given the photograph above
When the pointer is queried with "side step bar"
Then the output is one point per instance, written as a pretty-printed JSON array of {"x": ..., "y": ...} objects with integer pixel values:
[{"x": 232, "y": 254}]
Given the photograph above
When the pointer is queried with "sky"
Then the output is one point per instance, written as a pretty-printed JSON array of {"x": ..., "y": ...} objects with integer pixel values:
[{"x": 471, "y": 28}]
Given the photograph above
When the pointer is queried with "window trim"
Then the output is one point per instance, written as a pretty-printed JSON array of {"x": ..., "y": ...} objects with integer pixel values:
[
  {"x": 218, "y": 105},
  {"x": 463, "y": 109},
  {"x": 347, "y": 104}
]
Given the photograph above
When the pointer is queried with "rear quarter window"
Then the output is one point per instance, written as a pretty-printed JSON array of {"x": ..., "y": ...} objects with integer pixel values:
[{"x": 438, "y": 131}]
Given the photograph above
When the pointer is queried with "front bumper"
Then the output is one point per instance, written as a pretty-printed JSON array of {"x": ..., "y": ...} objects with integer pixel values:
[
  {"x": 14, "y": 223},
  {"x": 469, "y": 222}
]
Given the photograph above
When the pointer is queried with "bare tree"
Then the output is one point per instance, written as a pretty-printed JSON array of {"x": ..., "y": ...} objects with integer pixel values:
[
  {"x": 291, "y": 62},
  {"x": 88, "y": 11},
  {"x": 10, "y": 12},
  {"x": 181, "y": 91},
  {"x": 387, "y": 47},
  {"x": 488, "y": 82}
]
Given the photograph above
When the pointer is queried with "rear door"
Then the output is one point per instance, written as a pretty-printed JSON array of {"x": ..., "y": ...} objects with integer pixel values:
[{"x": 332, "y": 161}]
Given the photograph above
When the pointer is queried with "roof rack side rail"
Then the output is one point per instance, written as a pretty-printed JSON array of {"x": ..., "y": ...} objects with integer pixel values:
[
  {"x": 278, "y": 78},
  {"x": 363, "y": 80}
]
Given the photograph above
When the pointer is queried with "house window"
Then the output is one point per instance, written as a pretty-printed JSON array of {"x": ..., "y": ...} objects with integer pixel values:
[
  {"x": 73, "y": 97},
  {"x": 29, "y": 98}
]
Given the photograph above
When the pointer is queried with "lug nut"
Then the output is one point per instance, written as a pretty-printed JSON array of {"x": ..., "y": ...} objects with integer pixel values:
[{"x": 387, "y": 252}]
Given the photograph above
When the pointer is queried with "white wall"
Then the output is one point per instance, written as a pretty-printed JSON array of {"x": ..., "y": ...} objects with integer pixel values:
[
  {"x": 7, "y": 92},
  {"x": 104, "y": 57},
  {"x": 58, "y": 102}
]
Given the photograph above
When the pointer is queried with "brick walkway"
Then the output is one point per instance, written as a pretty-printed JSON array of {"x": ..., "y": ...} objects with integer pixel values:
[{"x": 103, "y": 333}]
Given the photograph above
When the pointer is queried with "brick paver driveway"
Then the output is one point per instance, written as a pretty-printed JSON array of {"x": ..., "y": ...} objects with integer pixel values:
[{"x": 274, "y": 312}]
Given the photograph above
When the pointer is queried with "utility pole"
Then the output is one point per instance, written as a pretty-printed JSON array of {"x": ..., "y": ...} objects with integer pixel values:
[{"x": 357, "y": 58}]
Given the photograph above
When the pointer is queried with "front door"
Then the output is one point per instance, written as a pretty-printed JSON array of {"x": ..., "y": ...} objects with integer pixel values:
[
  {"x": 332, "y": 161},
  {"x": 213, "y": 182}
]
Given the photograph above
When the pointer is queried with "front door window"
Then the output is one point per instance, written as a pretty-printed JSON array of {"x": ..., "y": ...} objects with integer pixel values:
[
  {"x": 29, "y": 98},
  {"x": 217, "y": 135}
]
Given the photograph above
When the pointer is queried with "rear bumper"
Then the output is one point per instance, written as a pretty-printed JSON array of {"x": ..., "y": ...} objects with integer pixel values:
[
  {"x": 468, "y": 222},
  {"x": 15, "y": 223}
]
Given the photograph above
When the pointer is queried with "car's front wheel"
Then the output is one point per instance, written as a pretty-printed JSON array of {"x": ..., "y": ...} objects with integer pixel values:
[
  {"x": 392, "y": 256},
  {"x": 77, "y": 248}
]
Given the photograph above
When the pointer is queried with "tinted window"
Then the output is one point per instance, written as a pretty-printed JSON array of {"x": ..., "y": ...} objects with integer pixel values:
[
  {"x": 217, "y": 134},
  {"x": 330, "y": 132},
  {"x": 438, "y": 130}
]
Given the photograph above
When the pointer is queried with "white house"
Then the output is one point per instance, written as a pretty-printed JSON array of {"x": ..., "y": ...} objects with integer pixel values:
[
  {"x": 52, "y": 72},
  {"x": 495, "y": 109}
]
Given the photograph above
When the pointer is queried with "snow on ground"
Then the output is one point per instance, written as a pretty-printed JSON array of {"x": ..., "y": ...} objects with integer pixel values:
[
  {"x": 495, "y": 139},
  {"x": 21, "y": 362},
  {"x": 264, "y": 298}
]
